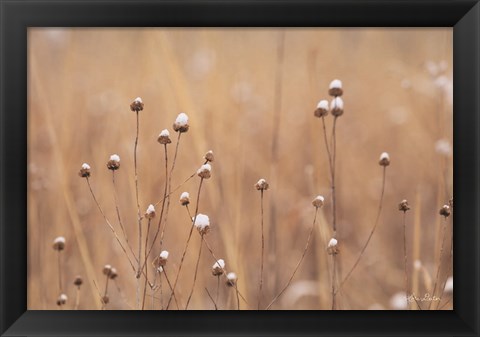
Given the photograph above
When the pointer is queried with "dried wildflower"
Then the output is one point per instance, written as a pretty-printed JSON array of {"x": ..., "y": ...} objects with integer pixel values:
[
  {"x": 84, "y": 171},
  {"x": 78, "y": 281},
  {"x": 336, "y": 106},
  {"x": 150, "y": 212},
  {"x": 384, "y": 159},
  {"x": 184, "y": 198},
  {"x": 161, "y": 260},
  {"x": 262, "y": 185},
  {"x": 318, "y": 201},
  {"x": 181, "y": 123},
  {"x": 403, "y": 205},
  {"x": 114, "y": 162},
  {"x": 164, "y": 137},
  {"x": 105, "y": 299},
  {"x": 445, "y": 211},
  {"x": 205, "y": 171},
  {"x": 218, "y": 267},
  {"x": 322, "y": 109},
  {"x": 107, "y": 269},
  {"x": 332, "y": 248},
  {"x": 59, "y": 243},
  {"x": 209, "y": 156},
  {"x": 335, "y": 88},
  {"x": 62, "y": 299},
  {"x": 113, "y": 274},
  {"x": 202, "y": 223},
  {"x": 231, "y": 279},
  {"x": 137, "y": 105}
]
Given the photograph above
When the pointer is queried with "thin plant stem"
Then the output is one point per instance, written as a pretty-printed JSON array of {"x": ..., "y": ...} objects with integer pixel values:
[
  {"x": 380, "y": 206},
  {"x": 263, "y": 252},
  {"x": 161, "y": 211},
  {"x": 109, "y": 224},
  {"x": 77, "y": 298},
  {"x": 177, "y": 188},
  {"x": 325, "y": 138},
  {"x": 105, "y": 293},
  {"x": 188, "y": 239},
  {"x": 310, "y": 235},
  {"x": 218, "y": 289},
  {"x": 211, "y": 298},
  {"x": 117, "y": 208},
  {"x": 195, "y": 274},
  {"x": 238, "y": 298},
  {"x": 439, "y": 260},
  {"x": 334, "y": 211},
  {"x": 405, "y": 254},
  {"x": 146, "y": 265},
  {"x": 138, "y": 210},
  {"x": 171, "y": 289},
  {"x": 59, "y": 260}
]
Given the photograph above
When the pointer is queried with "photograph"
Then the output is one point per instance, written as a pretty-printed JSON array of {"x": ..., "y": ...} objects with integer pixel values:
[{"x": 240, "y": 168}]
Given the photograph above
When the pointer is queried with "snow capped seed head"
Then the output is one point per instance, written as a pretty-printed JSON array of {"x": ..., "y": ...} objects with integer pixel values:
[
  {"x": 449, "y": 285},
  {"x": 262, "y": 185},
  {"x": 384, "y": 159},
  {"x": 59, "y": 243},
  {"x": 181, "y": 123},
  {"x": 150, "y": 212},
  {"x": 78, "y": 281},
  {"x": 113, "y": 274},
  {"x": 209, "y": 156},
  {"x": 164, "y": 137},
  {"x": 205, "y": 171},
  {"x": 84, "y": 171},
  {"x": 332, "y": 247},
  {"x": 184, "y": 198},
  {"x": 318, "y": 201},
  {"x": 161, "y": 260},
  {"x": 231, "y": 279},
  {"x": 403, "y": 206},
  {"x": 107, "y": 269},
  {"x": 137, "y": 105},
  {"x": 62, "y": 299},
  {"x": 322, "y": 109},
  {"x": 445, "y": 211},
  {"x": 202, "y": 223},
  {"x": 336, "y": 106},
  {"x": 335, "y": 88},
  {"x": 218, "y": 267},
  {"x": 114, "y": 162}
]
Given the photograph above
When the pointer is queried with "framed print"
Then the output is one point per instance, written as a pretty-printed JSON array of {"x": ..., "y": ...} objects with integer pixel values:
[{"x": 239, "y": 168}]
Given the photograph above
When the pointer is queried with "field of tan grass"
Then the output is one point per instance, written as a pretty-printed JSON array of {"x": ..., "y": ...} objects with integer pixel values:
[{"x": 250, "y": 95}]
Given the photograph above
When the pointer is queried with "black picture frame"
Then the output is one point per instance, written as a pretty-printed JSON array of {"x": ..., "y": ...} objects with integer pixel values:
[{"x": 18, "y": 15}]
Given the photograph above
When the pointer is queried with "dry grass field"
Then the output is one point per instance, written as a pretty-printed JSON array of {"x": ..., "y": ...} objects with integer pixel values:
[{"x": 250, "y": 95}]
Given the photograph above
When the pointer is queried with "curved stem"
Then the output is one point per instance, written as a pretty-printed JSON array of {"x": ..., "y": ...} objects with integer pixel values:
[
  {"x": 263, "y": 250},
  {"x": 195, "y": 274},
  {"x": 298, "y": 263}
]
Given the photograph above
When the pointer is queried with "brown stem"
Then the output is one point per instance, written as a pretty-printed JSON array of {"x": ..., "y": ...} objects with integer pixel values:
[
  {"x": 371, "y": 232},
  {"x": 77, "y": 298},
  {"x": 405, "y": 255},
  {"x": 138, "y": 209},
  {"x": 263, "y": 249},
  {"x": 195, "y": 274},
  {"x": 334, "y": 211},
  {"x": 105, "y": 293},
  {"x": 146, "y": 265},
  {"x": 299, "y": 262},
  {"x": 439, "y": 260},
  {"x": 211, "y": 298},
  {"x": 59, "y": 260},
  {"x": 171, "y": 289}
]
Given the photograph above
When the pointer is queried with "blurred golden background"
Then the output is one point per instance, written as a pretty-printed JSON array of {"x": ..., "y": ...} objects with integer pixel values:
[{"x": 250, "y": 96}]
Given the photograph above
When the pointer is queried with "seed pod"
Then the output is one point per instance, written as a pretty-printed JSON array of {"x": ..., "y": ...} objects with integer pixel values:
[
  {"x": 218, "y": 267},
  {"x": 335, "y": 88},
  {"x": 185, "y": 199},
  {"x": 322, "y": 109},
  {"x": 202, "y": 223},
  {"x": 84, "y": 171},
  {"x": 445, "y": 211},
  {"x": 78, "y": 281},
  {"x": 262, "y": 185},
  {"x": 181, "y": 123},
  {"x": 318, "y": 201},
  {"x": 332, "y": 248},
  {"x": 164, "y": 137},
  {"x": 113, "y": 274},
  {"x": 231, "y": 279},
  {"x": 62, "y": 299},
  {"x": 105, "y": 299},
  {"x": 107, "y": 269},
  {"x": 205, "y": 171},
  {"x": 137, "y": 105},
  {"x": 336, "y": 107},
  {"x": 403, "y": 206},
  {"x": 114, "y": 162},
  {"x": 59, "y": 243},
  {"x": 150, "y": 212},
  {"x": 209, "y": 156},
  {"x": 384, "y": 159}
]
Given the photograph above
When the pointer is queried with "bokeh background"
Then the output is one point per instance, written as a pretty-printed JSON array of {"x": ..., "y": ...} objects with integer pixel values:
[{"x": 250, "y": 95}]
